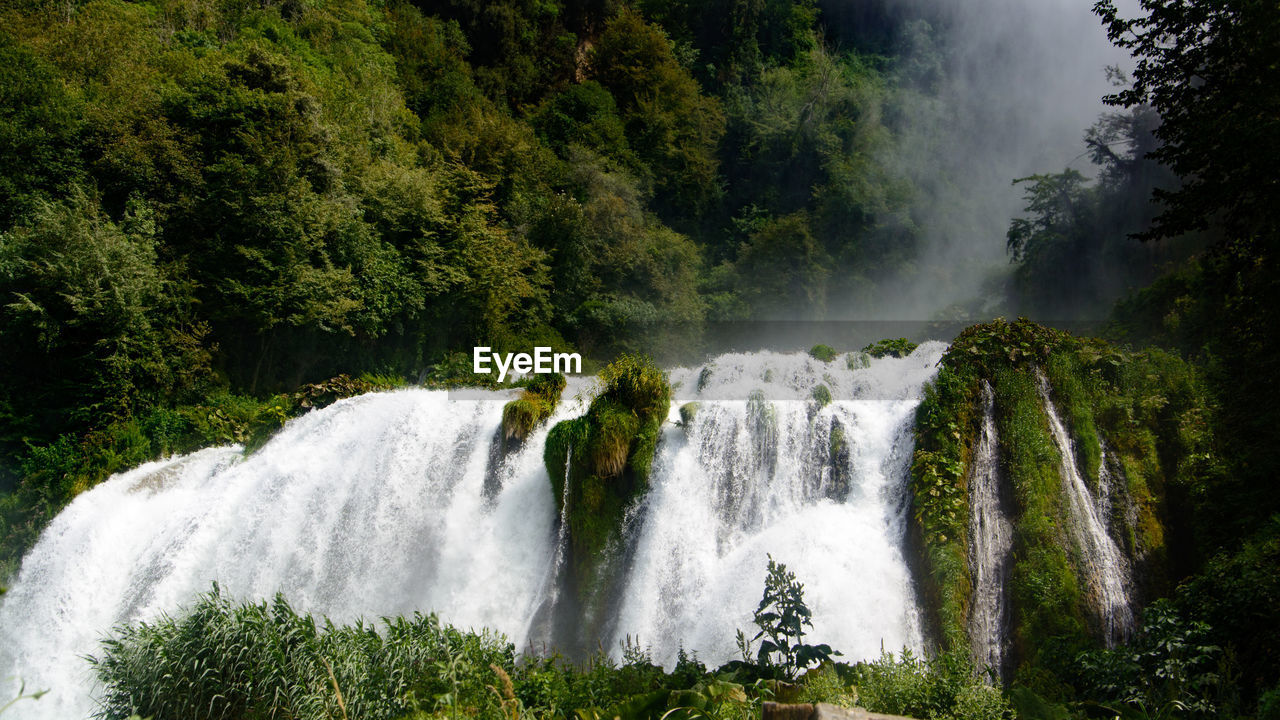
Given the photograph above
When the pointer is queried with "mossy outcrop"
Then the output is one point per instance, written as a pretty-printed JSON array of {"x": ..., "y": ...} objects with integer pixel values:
[
  {"x": 536, "y": 403},
  {"x": 605, "y": 458},
  {"x": 839, "y": 455},
  {"x": 1143, "y": 414},
  {"x": 688, "y": 412}
]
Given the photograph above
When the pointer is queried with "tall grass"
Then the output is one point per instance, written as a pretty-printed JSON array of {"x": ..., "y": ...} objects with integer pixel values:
[{"x": 223, "y": 661}]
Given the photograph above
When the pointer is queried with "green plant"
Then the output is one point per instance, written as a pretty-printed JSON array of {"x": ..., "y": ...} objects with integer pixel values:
[
  {"x": 940, "y": 687},
  {"x": 821, "y": 395},
  {"x": 260, "y": 660},
  {"x": 782, "y": 616},
  {"x": 900, "y": 347},
  {"x": 825, "y": 353},
  {"x": 857, "y": 360},
  {"x": 1171, "y": 666},
  {"x": 536, "y": 403}
]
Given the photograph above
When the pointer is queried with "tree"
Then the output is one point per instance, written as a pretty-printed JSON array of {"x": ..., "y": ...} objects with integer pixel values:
[
  {"x": 100, "y": 325},
  {"x": 38, "y": 124},
  {"x": 782, "y": 616},
  {"x": 1055, "y": 202},
  {"x": 782, "y": 269},
  {"x": 671, "y": 126},
  {"x": 1212, "y": 72},
  {"x": 1211, "y": 69}
]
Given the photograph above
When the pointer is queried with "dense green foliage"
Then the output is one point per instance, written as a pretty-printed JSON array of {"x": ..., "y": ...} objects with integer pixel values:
[
  {"x": 1172, "y": 664},
  {"x": 1209, "y": 70},
  {"x": 1212, "y": 72},
  {"x": 890, "y": 347},
  {"x": 923, "y": 688},
  {"x": 825, "y": 353}
]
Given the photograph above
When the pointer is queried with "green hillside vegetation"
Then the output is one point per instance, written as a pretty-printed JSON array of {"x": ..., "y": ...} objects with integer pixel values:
[{"x": 1150, "y": 411}]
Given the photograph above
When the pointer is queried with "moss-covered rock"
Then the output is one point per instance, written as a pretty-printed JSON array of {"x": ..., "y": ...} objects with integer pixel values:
[
  {"x": 1046, "y": 589},
  {"x": 839, "y": 455},
  {"x": 536, "y": 403},
  {"x": 688, "y": 412},
  {"x": 1141, "y": 413},
  {"x": 606, "y": 457}
]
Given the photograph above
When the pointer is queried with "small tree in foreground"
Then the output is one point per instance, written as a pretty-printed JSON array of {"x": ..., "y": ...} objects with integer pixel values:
[{"x": 782, "y": 617}]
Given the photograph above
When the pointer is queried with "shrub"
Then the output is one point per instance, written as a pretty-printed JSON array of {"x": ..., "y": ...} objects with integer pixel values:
[
  {"x": 899, "y": 348},
  {"x": 942, "y": 687},
  {"x": 821, "y": 395},
  {"x": 265, "y": 660},
  {"x": 825, "y": 353},
  {"x": 635, "y": 382},
  {"x": 1172, "y": 662},
  {"x": 857, "y": 360}
]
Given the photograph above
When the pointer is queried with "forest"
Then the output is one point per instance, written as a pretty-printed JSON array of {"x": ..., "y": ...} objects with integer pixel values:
[{"x": 219, "y": 215}]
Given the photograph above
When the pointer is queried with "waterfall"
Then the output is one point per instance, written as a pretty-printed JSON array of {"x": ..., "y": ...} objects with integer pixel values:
[
  {"x": 990, "y": 544},
  {"x": 718, "y": 506},
  {"x": 539, "y": 632},
  {"x": 396, "y": 502},
  {"x": 1105, "y": 568},
  {"x": 374, "y": 506}
]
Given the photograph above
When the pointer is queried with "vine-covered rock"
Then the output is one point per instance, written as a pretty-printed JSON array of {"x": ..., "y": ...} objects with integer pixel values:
[{"x": 1146, "y": 412}]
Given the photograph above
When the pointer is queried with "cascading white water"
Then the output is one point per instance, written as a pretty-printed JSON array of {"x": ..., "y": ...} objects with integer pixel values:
[
  {"x": 394, "y": 502},
  {"x": 374, "y": 506},
  {"x": 1106, "y": 568},
  {"x": 749, "y": 478},
  {"x": 990, "y": 544}
]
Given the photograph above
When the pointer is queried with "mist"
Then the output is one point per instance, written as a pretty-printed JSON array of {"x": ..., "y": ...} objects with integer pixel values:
[{"x": 1000, "y": 89}]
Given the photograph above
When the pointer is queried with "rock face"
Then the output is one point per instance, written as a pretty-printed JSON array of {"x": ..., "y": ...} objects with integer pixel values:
[{"x": 820, "y": 711}]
